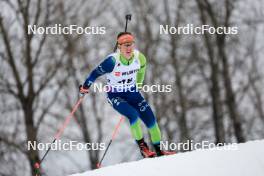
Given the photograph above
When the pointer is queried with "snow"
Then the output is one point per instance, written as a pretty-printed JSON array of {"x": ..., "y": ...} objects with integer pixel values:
[{"x": 245, "y": 159}]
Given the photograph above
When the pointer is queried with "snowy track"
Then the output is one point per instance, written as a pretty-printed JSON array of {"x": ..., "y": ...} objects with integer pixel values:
[{"x": 247, "y": 160}]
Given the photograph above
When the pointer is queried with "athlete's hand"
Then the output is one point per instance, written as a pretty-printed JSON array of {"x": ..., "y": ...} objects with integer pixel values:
[{"x": 83, "y": 90}]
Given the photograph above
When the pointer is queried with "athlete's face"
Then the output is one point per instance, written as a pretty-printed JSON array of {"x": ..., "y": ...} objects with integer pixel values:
[{"x": 127, "y": 49}]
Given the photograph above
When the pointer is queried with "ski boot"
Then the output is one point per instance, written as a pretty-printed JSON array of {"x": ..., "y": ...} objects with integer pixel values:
[
  {"x": 160, "y": 152},
  {"x": 144, "y": 149}
]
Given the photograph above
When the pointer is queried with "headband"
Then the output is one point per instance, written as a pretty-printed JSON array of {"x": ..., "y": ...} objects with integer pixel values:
[{"x": 126, "y": 38}]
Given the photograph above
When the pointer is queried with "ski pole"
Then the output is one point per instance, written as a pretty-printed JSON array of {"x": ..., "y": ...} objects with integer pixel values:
[
  {"x": 58, "y": 134},
  {"x": 128, "y": 18},
  {"x": 98, "y": 165}
]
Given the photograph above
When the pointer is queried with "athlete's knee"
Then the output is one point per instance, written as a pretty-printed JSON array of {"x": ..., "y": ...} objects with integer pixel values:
[
  {"x": 146, "y": 114},
  {"x": 143, "y": 105},
  {"x": 125, "y": 109}
]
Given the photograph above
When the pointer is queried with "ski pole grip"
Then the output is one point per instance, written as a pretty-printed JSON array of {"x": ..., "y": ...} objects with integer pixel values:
[{"x": 128, "y": 17}]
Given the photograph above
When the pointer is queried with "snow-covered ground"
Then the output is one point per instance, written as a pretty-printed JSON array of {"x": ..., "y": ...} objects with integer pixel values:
[{"x": 246, "y": 160}]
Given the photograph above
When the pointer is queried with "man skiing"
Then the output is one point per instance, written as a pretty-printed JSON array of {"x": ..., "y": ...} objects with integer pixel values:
[{"x": 125, "y": 70}]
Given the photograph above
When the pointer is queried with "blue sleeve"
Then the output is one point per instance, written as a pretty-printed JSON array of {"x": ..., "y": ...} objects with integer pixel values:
[{"x": 106, "y": 66}]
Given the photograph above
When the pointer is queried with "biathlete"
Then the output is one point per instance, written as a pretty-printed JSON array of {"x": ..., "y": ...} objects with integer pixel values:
[{"x": 125, "y": 70}]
